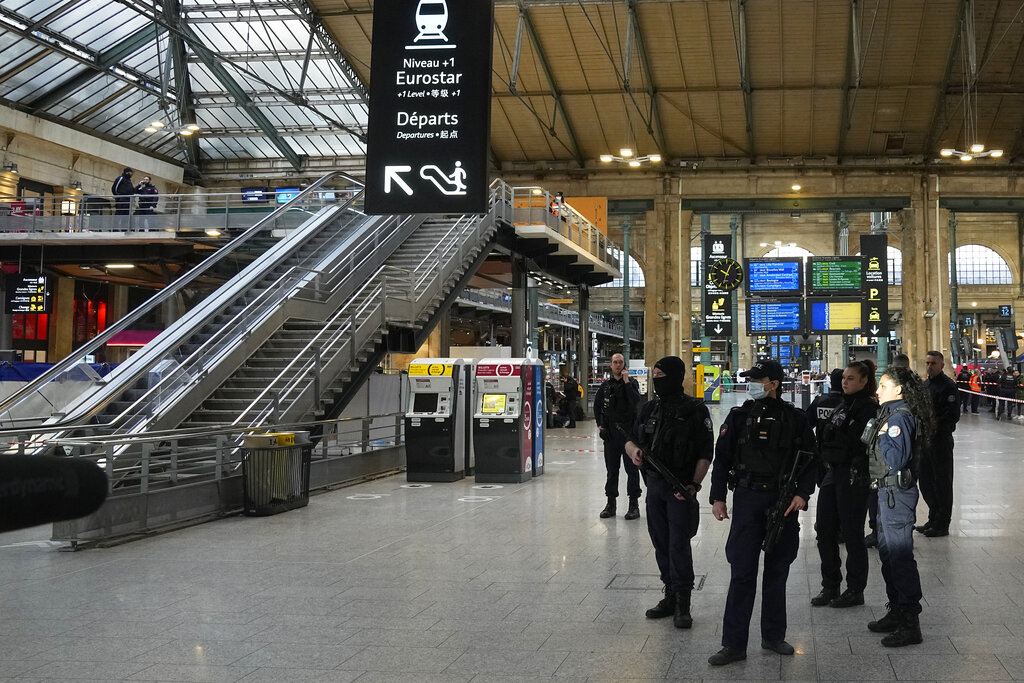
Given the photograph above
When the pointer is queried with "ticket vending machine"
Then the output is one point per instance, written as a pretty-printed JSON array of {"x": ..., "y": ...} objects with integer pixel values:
[
  {"x": 438, "y": 438},
  {"x": 508, "y": 419}
]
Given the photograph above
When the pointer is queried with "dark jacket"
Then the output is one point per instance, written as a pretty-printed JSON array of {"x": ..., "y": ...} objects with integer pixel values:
[
  {"x": 678, "y": 431},
  {"x": 122, "y": 186},
  {"x": 896, "y": 436},
  {"x": 946, "y": 400},
  {"x": 616, "y": 402},
  {"x": 147, "y": 195}
]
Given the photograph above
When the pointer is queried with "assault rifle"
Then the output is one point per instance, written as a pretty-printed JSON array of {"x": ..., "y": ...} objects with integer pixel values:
[
  {"x": 775, "y": 517},
  {"x": 686, "y": 491}
]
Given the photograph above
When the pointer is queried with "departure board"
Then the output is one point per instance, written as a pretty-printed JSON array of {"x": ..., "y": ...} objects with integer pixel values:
[
  {"x": 835, "y": 275},
  {"x": 773, "y": 276},
  {"x": 774, "y": 316},
  {"x": 834, "y": 315}
]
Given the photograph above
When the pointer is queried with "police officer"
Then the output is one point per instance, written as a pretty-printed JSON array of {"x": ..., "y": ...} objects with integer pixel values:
[
  {"x": 677, "y": 430},
  {"x": 756, "y": 450},
  {"x": 900, "y": 360},
  {"x": 615, "y": 407},
  {"x": 843, "y": 491},
  {"x": 905, "y": 422},
  {"x": 937, "y": 461}
]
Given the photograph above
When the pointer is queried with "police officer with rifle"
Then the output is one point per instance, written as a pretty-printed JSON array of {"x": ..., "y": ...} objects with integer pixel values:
[
  {"x": 672, "y": 442},
  {"x": 767, "y": 455}
]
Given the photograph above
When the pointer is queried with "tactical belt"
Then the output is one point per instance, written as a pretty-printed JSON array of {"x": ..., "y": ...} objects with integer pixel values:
[
  {"x": 890, "y": 480},
  {"x": 757, "y": 483}
]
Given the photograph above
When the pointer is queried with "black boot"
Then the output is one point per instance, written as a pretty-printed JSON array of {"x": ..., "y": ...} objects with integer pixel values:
[
  {"x": 889, "y": 623},
  {"x": 682, "y": 618},
  {"x": 609, "y": 509},
  {"x": 665, "y": 608},
  {"x": 634, "y": 509},
  {"x": 908, "y": 633},
  {"x": 824, "y": 597}
]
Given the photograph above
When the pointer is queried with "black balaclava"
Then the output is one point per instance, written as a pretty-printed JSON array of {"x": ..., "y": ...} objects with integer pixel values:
[
  {"x": 672, "y": 383},
  {"x": 835, "y": 379}
]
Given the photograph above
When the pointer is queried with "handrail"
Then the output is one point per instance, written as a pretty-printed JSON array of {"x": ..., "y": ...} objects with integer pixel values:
[{"x": 171, "y": 290}]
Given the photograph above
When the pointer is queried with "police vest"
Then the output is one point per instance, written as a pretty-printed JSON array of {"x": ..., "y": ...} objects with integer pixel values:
[
  {"x": 877, "y": 467},
  {"x": 767, "y": 439},
  {"x": 617, "y": 408},
  {"x": 835, "y": 443},
  {"x": 670, "y": 431}
]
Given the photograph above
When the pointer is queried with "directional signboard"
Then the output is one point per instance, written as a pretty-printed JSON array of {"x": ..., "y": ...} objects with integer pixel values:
[
  {"x": 26, "y": 294},
  {"x": 875, "y": 315},
  {"x": 717, "y": 302},
  {"x": 430, "y": 95}
]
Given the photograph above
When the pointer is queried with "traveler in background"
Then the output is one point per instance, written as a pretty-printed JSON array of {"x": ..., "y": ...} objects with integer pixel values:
[
  {"x": 900, "y": 433},
  {"x": 843, "y": 491},
  {"x": 148, "y": 196},
  {"x": 1019, "y": 378},
  {"x": 122, "y": 189},
  {"x": 571, "y": 390},
  {"x": 963, "y": 385},
  {"x": 677, "y": 430},
  {"x": 615, "y": 408},
  {"x": 1007, "y": 390},
  {"x": 937, "y": 462}
]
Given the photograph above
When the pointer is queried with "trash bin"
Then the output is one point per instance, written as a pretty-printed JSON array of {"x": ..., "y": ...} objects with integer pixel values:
[{"x": 275, "y": 478}]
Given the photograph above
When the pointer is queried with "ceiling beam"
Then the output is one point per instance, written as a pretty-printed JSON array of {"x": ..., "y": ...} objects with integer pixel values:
[
  {"x": 940, "y": 120},
  {"x": 654, "y": 128},
  {"x": 183, "y": 84},
  {"x": 290, "y": 131},
  {"x": 104, "y": 61},
  {"x": 554, "y": 92},
  {"x": 852, "y": 64},
  {"x": 744, "y": 66}
]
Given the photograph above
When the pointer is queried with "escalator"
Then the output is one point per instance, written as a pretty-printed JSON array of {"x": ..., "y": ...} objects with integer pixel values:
[{"x": 287, "y": 338}]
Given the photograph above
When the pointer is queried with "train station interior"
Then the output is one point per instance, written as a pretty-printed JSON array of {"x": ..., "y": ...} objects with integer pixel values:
[{"x": 310, "y": 283}]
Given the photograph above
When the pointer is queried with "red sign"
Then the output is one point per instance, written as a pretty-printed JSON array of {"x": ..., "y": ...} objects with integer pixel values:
[{"x": 498, "y": 370}]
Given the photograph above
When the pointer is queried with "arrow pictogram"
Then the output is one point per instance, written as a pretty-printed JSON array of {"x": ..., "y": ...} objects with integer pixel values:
[{"x": 391, "y": 174}]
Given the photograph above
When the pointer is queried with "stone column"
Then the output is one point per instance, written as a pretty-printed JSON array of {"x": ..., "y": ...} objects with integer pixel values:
[
  {"x": 117, "y": 308},
  {"x": 667, "y": 307},
  {"x": 62, "y": 320}
]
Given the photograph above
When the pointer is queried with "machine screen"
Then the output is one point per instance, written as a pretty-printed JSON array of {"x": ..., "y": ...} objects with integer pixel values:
[
  {"x": 493, "y": 404},
  {"x": 424, "y": 403}
]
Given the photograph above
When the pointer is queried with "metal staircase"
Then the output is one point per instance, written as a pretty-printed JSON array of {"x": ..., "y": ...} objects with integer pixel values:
[{"x": 288, "y": 338}]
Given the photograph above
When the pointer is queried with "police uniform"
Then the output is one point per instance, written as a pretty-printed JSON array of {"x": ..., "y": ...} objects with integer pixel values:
[
  {"x": 937, "y": 462},
  {"x": 755, "y": 452},
  {"x": 677, "y": 430},
  {"x": 843, "y": 497},
  {"x": 615, "y": 407},
  {"x": 891, "y": 465}
]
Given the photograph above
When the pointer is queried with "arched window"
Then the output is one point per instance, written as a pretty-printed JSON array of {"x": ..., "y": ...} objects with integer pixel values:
[
  {"x": 789, "y": 250},
  {"x": 696, "y": 266},
  {"x": 636, "y": 273},
  {"x": 978, "y": 265},
  {"x": 895, "y": 264}
]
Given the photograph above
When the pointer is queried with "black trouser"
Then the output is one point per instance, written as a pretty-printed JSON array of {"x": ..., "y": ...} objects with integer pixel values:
[
  {"x": 975, "y": 400},
  {"x": 872, "y": 510},
  {"x": 743, "y": 551},
  {"x": 840, "y": 512},
  {"x": 122, "y": 205},
  {"x": 964, "y": 398},
  {"x": 671, "y": 523},
  {"x": 614, "y": 453},
  {"x": 571, "y": 405},
  {"x": 937, "y": 479},
  {"x": 1006, "y": 406}
]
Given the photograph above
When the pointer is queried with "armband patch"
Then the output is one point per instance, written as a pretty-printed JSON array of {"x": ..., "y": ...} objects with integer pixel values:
[
  {"x": 951, "y": 399},
  {"x": 894, "y": 431},
  {"x": 708, "y": 424}
]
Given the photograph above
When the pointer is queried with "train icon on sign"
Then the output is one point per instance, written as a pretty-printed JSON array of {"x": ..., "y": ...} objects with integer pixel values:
[{"x": 431, "y": 22}]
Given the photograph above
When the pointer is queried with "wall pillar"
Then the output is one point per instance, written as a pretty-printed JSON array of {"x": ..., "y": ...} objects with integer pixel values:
[{"x": 62, "y": 320}]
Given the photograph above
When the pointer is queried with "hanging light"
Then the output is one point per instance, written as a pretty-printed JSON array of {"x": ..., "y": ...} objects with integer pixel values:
[
  {"x": 157, "y": 124},
  {"x": 976, "y": 150}
]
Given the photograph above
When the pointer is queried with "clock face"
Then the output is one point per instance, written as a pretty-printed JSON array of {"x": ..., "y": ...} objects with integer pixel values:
[{"x": 726, "y": 273}]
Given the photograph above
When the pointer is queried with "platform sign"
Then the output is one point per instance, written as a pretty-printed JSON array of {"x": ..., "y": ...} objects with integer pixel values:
[
  {"x": 717, "y": 302},
  {"x": 841, "y": 275},
  {"x": 875, "y": 316},
  {"x": 1005, "y": 311},
  {"x": 27, "y": 294},
  {"x": 430, "y": 100}
]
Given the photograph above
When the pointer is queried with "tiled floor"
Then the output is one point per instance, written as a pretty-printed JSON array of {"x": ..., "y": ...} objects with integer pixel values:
[{"x": 521, "y": 583}]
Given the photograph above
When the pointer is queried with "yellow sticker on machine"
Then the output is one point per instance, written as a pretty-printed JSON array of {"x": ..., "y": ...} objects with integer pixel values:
[{"x": 431, "y": 369}]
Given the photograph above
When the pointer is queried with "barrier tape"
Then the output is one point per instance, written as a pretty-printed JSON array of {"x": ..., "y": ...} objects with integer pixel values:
[{"x": 994, "y": 397}]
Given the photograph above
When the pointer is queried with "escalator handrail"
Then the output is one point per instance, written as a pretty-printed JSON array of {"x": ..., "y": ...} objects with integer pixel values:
[{"x": 172, "y": 289}]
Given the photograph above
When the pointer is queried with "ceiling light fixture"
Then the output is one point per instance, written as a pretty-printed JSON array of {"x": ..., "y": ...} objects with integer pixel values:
[
  {"x": 157, "y": 124},
  {"x": 796, "y": 188},
  {"x": 193, "y": 127},
  {"x": 150, "y": 129},
  {"x": 969, "y": 59},
  {"x": 10, "y": 167},
  {"x": 119, "y": 266}
]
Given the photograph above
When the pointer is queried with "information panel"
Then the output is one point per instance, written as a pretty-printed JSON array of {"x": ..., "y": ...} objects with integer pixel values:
[
  {"x": 835, "y": 275},
  {"x": 774, "y": 315},
  {"x": 430, "y": 99},
  {"x": 773, "y": 276},
  {"x": 717, "y": 302},
  {"x": 26, "y": 294},
  {"x": 876, "y": 285},
  {"x": 835, "y": 316}
]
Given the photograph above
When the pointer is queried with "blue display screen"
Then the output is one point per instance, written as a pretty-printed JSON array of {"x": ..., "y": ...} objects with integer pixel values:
[
  {"x": 774, "y": 276},
  {"x": 785, "y": 351},
  {"x": 773, "y": 316},
  {"x": 834, "y": 315},
  {"x": 785, "y": 339},
  {"x": 285, "y": 195}
]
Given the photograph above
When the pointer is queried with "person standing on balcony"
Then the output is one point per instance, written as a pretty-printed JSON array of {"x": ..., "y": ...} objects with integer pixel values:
[
  {"x": 148, "y": 196},
  {"x": 122, "y": 189}
]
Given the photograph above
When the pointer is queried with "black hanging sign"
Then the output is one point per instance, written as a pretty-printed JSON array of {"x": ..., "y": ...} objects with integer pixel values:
[
  {"x": 27, "y": 294},
  {"x": 875, "y": 312},
  {"x": 430, "y": 103},
  {"x": 718, "y": 320}
]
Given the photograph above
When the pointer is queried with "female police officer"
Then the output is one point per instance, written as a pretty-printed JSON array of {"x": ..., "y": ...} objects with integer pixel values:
[
  {"x": 843, "y": 492},
  {"x": 905, "y": 416},
  {"x": 758, "y": 453}
]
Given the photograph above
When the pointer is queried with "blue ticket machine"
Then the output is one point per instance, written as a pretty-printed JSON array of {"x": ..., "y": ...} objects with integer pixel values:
[
  {"x": 505, "y": 419},
  {"x": 438, "y": 438},
  {"x": 536, "y": 370}
]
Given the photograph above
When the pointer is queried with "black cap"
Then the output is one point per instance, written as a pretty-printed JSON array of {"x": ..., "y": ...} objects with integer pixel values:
[
  {"x": 835, "y": 378},
  {"x": 765, "y": 368},
  {"x": 126, "y": 171}
]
